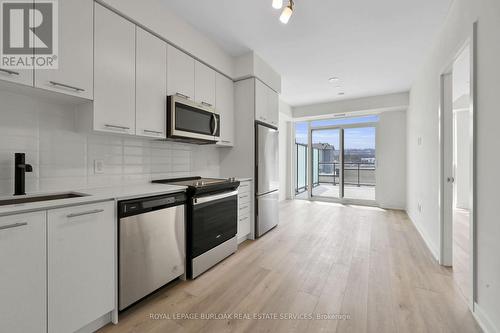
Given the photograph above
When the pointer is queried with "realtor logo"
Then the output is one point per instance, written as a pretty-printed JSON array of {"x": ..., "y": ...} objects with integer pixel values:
[{"x": 29, "y": 34}]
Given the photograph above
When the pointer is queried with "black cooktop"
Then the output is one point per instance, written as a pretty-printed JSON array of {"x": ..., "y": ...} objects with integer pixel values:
[{"x": 199, "y": 185}]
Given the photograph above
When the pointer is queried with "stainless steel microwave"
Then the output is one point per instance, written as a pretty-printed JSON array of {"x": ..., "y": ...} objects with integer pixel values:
[{"x": 191, "y": 122}]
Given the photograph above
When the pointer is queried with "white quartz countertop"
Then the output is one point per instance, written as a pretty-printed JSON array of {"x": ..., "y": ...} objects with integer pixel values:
[
  {"x": 244, "y": 179},
  {"x": 91, "y": 195}
]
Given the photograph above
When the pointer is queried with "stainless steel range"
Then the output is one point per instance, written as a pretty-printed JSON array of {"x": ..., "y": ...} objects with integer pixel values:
[{"x": 212, "y": 221}]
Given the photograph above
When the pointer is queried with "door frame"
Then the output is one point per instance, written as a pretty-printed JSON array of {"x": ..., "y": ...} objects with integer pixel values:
[
  {"x": 341, "y": 198},
  {"x": 446, "y": 225}
]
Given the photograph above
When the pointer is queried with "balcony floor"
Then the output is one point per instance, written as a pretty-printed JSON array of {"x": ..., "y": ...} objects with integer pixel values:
[{"x": 350, "y": 192}]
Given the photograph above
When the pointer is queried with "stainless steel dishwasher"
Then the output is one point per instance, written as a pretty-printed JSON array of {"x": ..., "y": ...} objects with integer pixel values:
[{"x": 151, "y": 245}]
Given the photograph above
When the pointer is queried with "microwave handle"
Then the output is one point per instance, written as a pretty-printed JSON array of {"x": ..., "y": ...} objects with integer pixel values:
[
  {"x": 213, "y": 124},
  {"x": 216, "y": 126}
]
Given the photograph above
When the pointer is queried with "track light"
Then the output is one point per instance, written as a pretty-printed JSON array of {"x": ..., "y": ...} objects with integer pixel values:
[
  {"x": 277, "y": 4},
  {"x": 287, "y": 13}
]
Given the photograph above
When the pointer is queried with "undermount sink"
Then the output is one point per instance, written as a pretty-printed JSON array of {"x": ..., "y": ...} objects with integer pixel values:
[{"x": 21, "y": 200}]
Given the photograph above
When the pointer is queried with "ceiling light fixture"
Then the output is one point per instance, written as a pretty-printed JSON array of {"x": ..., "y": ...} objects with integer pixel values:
[
  {"x": 277, "y": 4},
  {"x": 287, "y": 13},
  {"x": 333, "y": 79}
]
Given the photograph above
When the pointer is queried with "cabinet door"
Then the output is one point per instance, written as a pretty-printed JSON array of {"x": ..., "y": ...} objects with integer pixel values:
[
  {"x": 180, "y": 73},
  {"x": 75, "y": 73},
  {"x": 23, "y": 273},
  {"x": 261, "y": 101},
  {"x": 81, "y": 265},
  {"x": 114, "y": 72},
  {"x": 273, "y": 106},
  {"x": 224, "y": 105},
  {"x": 21, "y": 76},
  {"x": 151, "y": 85},
  {"x": 204, "y": 88}
]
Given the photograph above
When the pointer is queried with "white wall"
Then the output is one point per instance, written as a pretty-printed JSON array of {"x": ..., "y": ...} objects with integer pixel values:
[
  {"x": 391, "y": 160},
  {"x": 63, "y": 158},
  {"x": 422, "y": 121},
  {"x": 285, "y": 153},
  {"x": 156, "y": 16}
]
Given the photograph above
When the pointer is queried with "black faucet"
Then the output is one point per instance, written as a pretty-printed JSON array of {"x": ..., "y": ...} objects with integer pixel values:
[{"x": 20, "y": 168}]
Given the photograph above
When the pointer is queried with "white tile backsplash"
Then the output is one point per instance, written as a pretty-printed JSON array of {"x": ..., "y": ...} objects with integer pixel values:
[{"x": 63, "y": 157}]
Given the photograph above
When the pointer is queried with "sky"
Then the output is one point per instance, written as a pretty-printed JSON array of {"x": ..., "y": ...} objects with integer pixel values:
[{"x": 355, "y": 138}]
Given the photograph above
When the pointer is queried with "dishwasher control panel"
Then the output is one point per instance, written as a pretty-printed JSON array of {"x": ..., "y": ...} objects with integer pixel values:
[{"x": 144, "y": 205}]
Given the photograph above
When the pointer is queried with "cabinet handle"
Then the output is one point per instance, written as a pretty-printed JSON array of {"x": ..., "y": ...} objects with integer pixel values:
[
  {"x": 116, "y": 127},
  {"x": 8, "y": 71},
  {"x": 14, "y": 225},
  {"x": 206, "y": 104},
  {"x": 241, "y": 208},
  {"x": 244, "y": 218},
  {"x": 182, "y": 95},
  {"x": 95, "y": 211},
  {"x": 58, "y": 84},
  {"x": 152, "y": 132}
]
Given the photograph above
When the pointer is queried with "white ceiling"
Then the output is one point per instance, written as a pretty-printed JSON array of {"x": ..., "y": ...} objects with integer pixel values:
[{"x": 375, "y": 47}]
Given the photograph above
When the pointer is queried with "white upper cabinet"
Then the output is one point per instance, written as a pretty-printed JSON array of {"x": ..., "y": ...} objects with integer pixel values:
[
  {"x": 75, "y": 73},
  {"x": 151, "y": 85},
  {"x": 261, "y": 103},
  {"x": 266, "y": 104},
  {"x": 224, "y": 105},
  {"x": 204, "y": 84},
  {"x": 114, "y": 72},
  {"x": 23, "y": 273},
  {"x": 81, "y": 265},
  {"x": 180, "y": 73},
  {"x": 273, "y": 102},
  {"x": 21, "y": 76}
]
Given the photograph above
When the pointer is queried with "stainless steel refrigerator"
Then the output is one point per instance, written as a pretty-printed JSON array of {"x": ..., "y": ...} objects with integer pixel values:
[{"x": 267, "y": 178}]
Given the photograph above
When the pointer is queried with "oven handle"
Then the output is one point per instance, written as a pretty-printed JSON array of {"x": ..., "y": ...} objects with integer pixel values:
[{"x": 198, "y": 201}]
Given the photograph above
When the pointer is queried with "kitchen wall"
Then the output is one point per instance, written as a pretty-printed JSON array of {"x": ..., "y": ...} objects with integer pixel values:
[
  {"x": 63, "y": 158},
  {"x": 422, "y": 122},
  {"x": 391, "y": 160},
  {"x": 285, "y": 150}
]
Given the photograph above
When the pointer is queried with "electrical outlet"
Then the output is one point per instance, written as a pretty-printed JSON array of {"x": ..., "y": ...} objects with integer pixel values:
[
  {"x": 419, "y": 207},
  {"x": 98, "y": 166}
]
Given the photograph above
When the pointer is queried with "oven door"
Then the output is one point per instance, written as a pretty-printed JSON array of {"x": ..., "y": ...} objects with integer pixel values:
[
  {"x": 189, "y": 120},
  {"x": 214, "y": 221}
]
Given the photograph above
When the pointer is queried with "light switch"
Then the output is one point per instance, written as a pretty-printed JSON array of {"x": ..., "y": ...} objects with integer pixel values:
[{"x": 98, "y": 166}]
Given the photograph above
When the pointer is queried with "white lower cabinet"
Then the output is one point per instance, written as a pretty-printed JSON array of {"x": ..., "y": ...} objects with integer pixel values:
[
  {"x": 23, "y": 273},
  {"x": 81, "y": 256},
  {"x": 245, "y": 211}
]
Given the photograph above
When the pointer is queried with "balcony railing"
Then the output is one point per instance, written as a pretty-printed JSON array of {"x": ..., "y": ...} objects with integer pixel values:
[{"x": 355, "y": 173}]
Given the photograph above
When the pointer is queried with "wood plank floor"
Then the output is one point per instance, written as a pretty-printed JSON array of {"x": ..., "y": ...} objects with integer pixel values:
[{"x": 365, "y": 263}]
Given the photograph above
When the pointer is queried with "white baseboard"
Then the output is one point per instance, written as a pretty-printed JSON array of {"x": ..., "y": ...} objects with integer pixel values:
[
  {"x": 483, "y": 320},
  {"x": 430, "y": 246}
]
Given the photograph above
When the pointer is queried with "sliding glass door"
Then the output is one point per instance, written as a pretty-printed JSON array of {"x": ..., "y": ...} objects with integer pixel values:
[
  {"x": 359, "y": 163},
  {"x": 326, "y": 163},
  {"x": 342, "y": 162}
]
